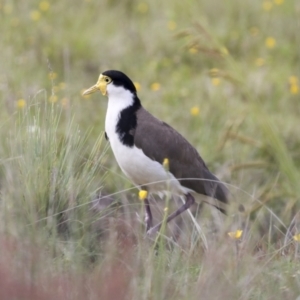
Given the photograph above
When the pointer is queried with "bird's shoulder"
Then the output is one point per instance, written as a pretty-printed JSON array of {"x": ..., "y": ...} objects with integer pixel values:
[{"x": 158, "y": 140}]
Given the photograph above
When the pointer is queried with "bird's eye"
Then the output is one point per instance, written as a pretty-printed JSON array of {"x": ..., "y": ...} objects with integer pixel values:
[{"x": 107, "y": 80}]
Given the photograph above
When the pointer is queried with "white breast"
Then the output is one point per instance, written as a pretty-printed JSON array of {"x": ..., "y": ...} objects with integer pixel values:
[
  {"x": 142, "y": 170},
  {"x": 120, "y": 100}
]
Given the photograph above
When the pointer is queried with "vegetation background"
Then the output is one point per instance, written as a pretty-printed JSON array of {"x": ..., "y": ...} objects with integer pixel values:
[{"x": 223, "y": 73}]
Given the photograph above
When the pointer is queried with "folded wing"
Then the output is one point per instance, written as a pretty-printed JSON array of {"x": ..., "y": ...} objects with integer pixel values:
[{"x": 185, "y": 163}]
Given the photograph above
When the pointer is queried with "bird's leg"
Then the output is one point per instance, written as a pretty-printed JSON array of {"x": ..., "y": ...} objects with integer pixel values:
[
  {"x": 189, "y": 201},
  {"x": 148, "y": 215}
]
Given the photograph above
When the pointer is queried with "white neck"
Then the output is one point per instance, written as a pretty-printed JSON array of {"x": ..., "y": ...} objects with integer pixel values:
[{"x": 118, "y": 99}]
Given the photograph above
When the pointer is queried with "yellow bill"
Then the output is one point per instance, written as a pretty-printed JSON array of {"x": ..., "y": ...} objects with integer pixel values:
[{"x": 101, "y": 86}]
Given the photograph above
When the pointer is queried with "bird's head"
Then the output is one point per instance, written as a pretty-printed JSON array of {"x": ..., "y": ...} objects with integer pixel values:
[{"x": 112, "y": 83}]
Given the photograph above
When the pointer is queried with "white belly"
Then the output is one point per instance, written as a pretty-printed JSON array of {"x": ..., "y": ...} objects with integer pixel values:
[{"x": 143, "y": 171}]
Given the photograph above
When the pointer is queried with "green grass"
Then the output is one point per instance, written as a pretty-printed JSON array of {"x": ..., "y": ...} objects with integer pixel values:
[{"x": 234, "y": 61}]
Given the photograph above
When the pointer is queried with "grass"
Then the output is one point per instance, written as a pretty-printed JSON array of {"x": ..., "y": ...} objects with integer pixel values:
[{"x": 226, "y": 75}]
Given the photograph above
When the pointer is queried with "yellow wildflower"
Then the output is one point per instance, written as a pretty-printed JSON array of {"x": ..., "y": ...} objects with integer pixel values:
[
  {"x": 166, "y": 163},
  {"x": 155, "y": 86},
  {"x": 278, "y": 2},
  {"x": 52, "y": 75},
  {"x": 216, "y": 81},
  {"x": 195, "y": 111},
  {"x": 35, "y": 15},
  {"x": 143, "y": 194},
  {"x": 44, "y": 5},
  {"x": 294, "y": 85},
  {"x": 21, "y": 103},
  {"x": 137, "y": 86},
  {"x": 293, "y": 79},
  {"x": 172, "y": 25},
  {"x": 142, "y": 7},
  {"x": 259, "y": 62},
  {"x": 270, "y": 42},
  {"x": 193, "y": 50},
  {"x": 224, "y": 51},
  {"x": 236, "y": 234},
  {"x": 267, "y": 5},
  {"x": 294, "y": 89},
  {"x": 297, "y": 237},
  {"x": 53, "y": 98}
]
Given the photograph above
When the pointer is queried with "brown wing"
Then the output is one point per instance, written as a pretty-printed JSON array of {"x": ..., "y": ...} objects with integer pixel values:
[{"x": 185, "y": 162}]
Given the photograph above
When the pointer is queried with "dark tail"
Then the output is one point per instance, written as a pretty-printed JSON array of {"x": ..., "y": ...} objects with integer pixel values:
[{"x": 216, "y": 189}]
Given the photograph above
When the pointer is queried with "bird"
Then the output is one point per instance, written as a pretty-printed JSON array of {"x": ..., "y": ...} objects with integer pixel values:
[{"x": 142, "y": 144}]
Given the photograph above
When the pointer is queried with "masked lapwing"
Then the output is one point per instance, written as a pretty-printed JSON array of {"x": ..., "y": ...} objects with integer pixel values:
[{"x": 141, "y": 143}]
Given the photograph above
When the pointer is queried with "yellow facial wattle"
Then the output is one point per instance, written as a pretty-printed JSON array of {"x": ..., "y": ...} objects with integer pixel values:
[{"x": 101, "y": 85}]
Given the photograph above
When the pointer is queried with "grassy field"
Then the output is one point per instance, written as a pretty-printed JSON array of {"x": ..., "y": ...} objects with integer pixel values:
[{"x": 226, "y": 74}]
